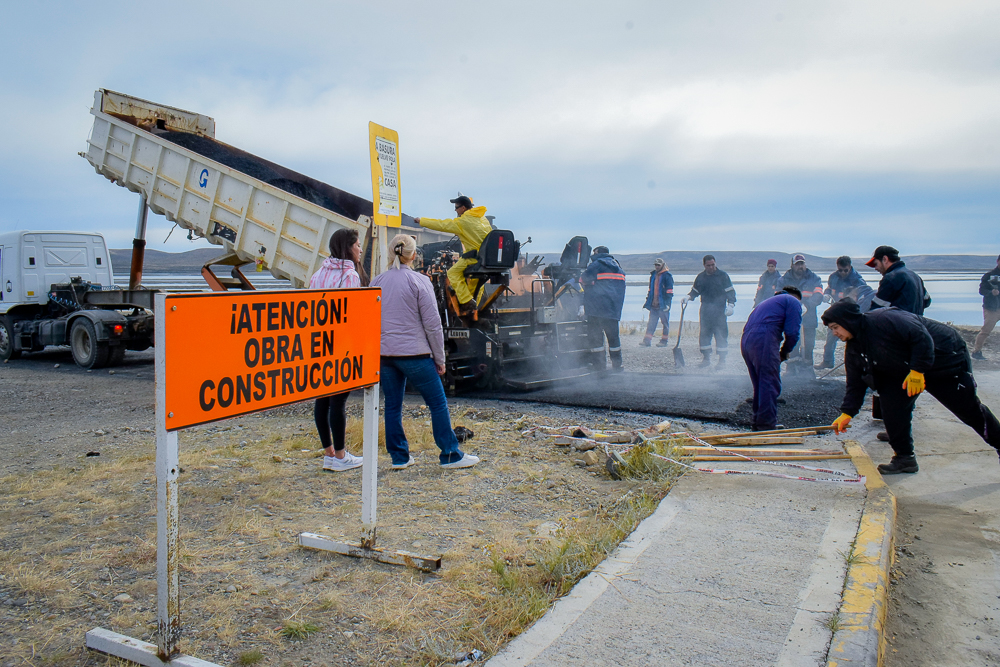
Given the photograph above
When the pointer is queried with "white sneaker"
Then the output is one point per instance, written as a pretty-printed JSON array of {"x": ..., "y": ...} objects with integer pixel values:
[
  {"x": 467, "y": 461},
  {"x": 400, "y": 466},
  {"x": 333, "y": 464}
]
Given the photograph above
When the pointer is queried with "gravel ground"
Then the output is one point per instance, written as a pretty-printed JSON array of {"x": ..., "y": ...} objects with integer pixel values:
[{"x": 77, "y": 531}]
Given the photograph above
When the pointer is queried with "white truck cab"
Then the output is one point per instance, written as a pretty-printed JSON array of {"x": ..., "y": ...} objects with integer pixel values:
[
  {"x": 56, "y": 288},
  {"x": 32, "y": 261}
]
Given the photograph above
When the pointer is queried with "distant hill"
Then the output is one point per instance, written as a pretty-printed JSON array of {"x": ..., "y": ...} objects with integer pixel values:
[
  {"x": 157, "y": 261},
  {"x": 190, "y": 262},
  {"x": 756, "y": 260}
]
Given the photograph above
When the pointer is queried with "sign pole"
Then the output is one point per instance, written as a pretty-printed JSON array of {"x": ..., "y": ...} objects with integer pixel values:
[
  {"x": 369, "y": 471},
  {"x": 386, "y": 212},
  {"x": 167, "y": 467},
  {"x": 168, "y": 615}
]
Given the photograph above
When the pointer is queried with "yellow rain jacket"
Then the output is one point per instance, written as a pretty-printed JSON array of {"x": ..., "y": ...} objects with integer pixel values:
[{"x": 471, "y": 228}]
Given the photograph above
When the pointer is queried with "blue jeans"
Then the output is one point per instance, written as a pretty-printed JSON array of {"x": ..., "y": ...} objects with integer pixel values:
[
  {"x": 422, "y": 374},
  {"x": 655, "y": 317}
]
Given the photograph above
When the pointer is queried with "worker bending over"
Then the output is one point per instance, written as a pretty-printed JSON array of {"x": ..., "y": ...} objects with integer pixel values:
[
  {"x": 763, "y": 351},
  {"x": 471, "y": 227},
  {"x": 899, "y": 354}
]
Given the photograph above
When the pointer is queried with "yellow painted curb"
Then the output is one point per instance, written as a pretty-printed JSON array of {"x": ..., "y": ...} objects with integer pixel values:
[{"x": 860, "y": 638}]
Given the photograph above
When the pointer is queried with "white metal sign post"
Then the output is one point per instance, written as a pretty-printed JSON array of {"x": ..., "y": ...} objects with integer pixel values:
[
  {"x": 199, "y": 385},
  {"x": 167, "y": 556}
]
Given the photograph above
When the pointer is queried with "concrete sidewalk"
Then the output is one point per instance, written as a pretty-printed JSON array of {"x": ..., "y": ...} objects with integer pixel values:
[{"x": 730, "y": 569}]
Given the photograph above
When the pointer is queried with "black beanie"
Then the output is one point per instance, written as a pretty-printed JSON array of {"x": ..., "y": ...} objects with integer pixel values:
[{"x": 846, "y": 313}]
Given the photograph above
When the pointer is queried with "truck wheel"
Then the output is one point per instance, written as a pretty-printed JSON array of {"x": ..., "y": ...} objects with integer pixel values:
[
  {"x": 116, "y": 355},
  {"x": 7, "y": 350},
  {"x": 87, "y": 351}
]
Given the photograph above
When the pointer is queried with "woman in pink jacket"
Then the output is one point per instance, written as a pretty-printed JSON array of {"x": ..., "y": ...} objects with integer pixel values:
[{"x": 341, "y": 269}]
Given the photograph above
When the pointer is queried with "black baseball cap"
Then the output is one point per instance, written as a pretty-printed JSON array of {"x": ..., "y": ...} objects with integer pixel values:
[
  {"x": 883, "y": 251},
  {"x": 462, "y": 200}
]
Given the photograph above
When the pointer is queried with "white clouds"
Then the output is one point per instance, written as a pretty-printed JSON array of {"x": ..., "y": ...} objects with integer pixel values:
[{"x": 716, "y": 103}]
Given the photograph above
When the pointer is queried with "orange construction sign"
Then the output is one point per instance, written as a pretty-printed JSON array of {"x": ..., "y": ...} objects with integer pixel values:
[{"x": 230, "y": 354}]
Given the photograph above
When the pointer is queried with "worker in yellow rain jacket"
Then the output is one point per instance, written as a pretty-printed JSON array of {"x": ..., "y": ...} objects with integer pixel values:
[{"x": 471, "y": 227}]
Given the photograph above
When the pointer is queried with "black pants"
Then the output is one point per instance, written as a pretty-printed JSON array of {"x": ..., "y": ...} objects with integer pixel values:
[
  {"x": 597, "y": 329},
  {"x": 713, "y": 324},
  {"x": 331, "y": 416},
  {"x": 955, "y": 389}
]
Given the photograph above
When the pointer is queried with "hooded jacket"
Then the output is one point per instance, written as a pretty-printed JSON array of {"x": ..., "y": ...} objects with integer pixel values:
[
  {"x": 603, "y": 287},
  {"x": 986, "y": 288},
  {"x": 471, "y": 227},
  {"x": 887, "y": 344},
  {"x": 902, "y": 288},
  {"x": 666, "y": 290},
  {"x": 335, "y": 274}
]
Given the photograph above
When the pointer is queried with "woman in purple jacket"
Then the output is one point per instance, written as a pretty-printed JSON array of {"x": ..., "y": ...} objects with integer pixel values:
[
  {"x": 413, "y": 350},
  {"x": 338, "y": 271}
]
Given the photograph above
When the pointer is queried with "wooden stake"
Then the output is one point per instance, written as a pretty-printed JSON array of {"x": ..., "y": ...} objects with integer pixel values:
[{"x": 821, "y": 457}]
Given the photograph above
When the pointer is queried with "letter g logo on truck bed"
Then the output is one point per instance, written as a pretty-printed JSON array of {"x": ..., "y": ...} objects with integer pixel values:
[{"x": 203, "y": 178}]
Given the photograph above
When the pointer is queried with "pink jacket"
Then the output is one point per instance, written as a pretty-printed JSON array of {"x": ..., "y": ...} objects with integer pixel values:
[{"x": 334, "y": 274}]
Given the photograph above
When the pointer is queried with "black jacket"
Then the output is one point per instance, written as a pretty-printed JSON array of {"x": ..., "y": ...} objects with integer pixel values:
[
  {"x": 986, "y": 288},
  {"x": 767, "y": 285},
  {"x": 902, "y": 288},
  {"x": 715, "y": 289},
  {"x": 888, "y": 343}
]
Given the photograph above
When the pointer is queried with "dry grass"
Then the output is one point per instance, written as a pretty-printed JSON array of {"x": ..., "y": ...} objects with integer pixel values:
[{"x": 75, "y": 537}]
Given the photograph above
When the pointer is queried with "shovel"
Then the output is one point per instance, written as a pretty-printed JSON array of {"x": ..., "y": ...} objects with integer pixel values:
[{"x": 678, "y": 352}]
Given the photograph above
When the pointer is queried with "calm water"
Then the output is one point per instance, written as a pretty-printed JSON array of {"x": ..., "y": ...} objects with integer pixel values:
[{"x": 955, "y": 296}]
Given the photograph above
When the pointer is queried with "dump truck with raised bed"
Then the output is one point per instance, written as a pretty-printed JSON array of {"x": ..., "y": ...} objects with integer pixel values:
[
  {"x": 266, "y": 214},
  {"x": 58, "y": 289},
  {"x": 259, "y": 211}
]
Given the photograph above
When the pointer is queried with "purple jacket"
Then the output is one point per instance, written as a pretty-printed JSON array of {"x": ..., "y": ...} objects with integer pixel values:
[{"x": 410, "y": 322}]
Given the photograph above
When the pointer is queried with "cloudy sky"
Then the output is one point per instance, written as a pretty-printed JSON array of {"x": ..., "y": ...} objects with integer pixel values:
[{"x": 822, "y": 127}]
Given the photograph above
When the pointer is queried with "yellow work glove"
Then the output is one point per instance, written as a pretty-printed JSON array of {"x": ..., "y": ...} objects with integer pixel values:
[
  {"x": 841, "y": 423},
  {"x": 914, "y": 383}
]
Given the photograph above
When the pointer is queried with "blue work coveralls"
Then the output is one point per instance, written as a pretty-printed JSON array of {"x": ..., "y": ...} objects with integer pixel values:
[{"x": 762, "y": 350}]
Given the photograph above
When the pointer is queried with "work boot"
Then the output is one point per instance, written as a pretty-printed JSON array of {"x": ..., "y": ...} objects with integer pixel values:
[
  {"x": 467, "y": 308},
  {"x": 823, "y": 366},
  {"x": 722, "y": 360},
  {"x": 706, "y": 361},
  {"x": 663, "y": 343},
  {"x": 646, "y": 342},
  {"x": 978, "y": 356},
  {"x": 899, "y": 464}
]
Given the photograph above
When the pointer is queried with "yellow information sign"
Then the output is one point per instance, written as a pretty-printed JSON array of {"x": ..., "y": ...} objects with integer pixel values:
[
  {"x": 383, "y": 145},
  {"x": 229, "y": 354}
]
